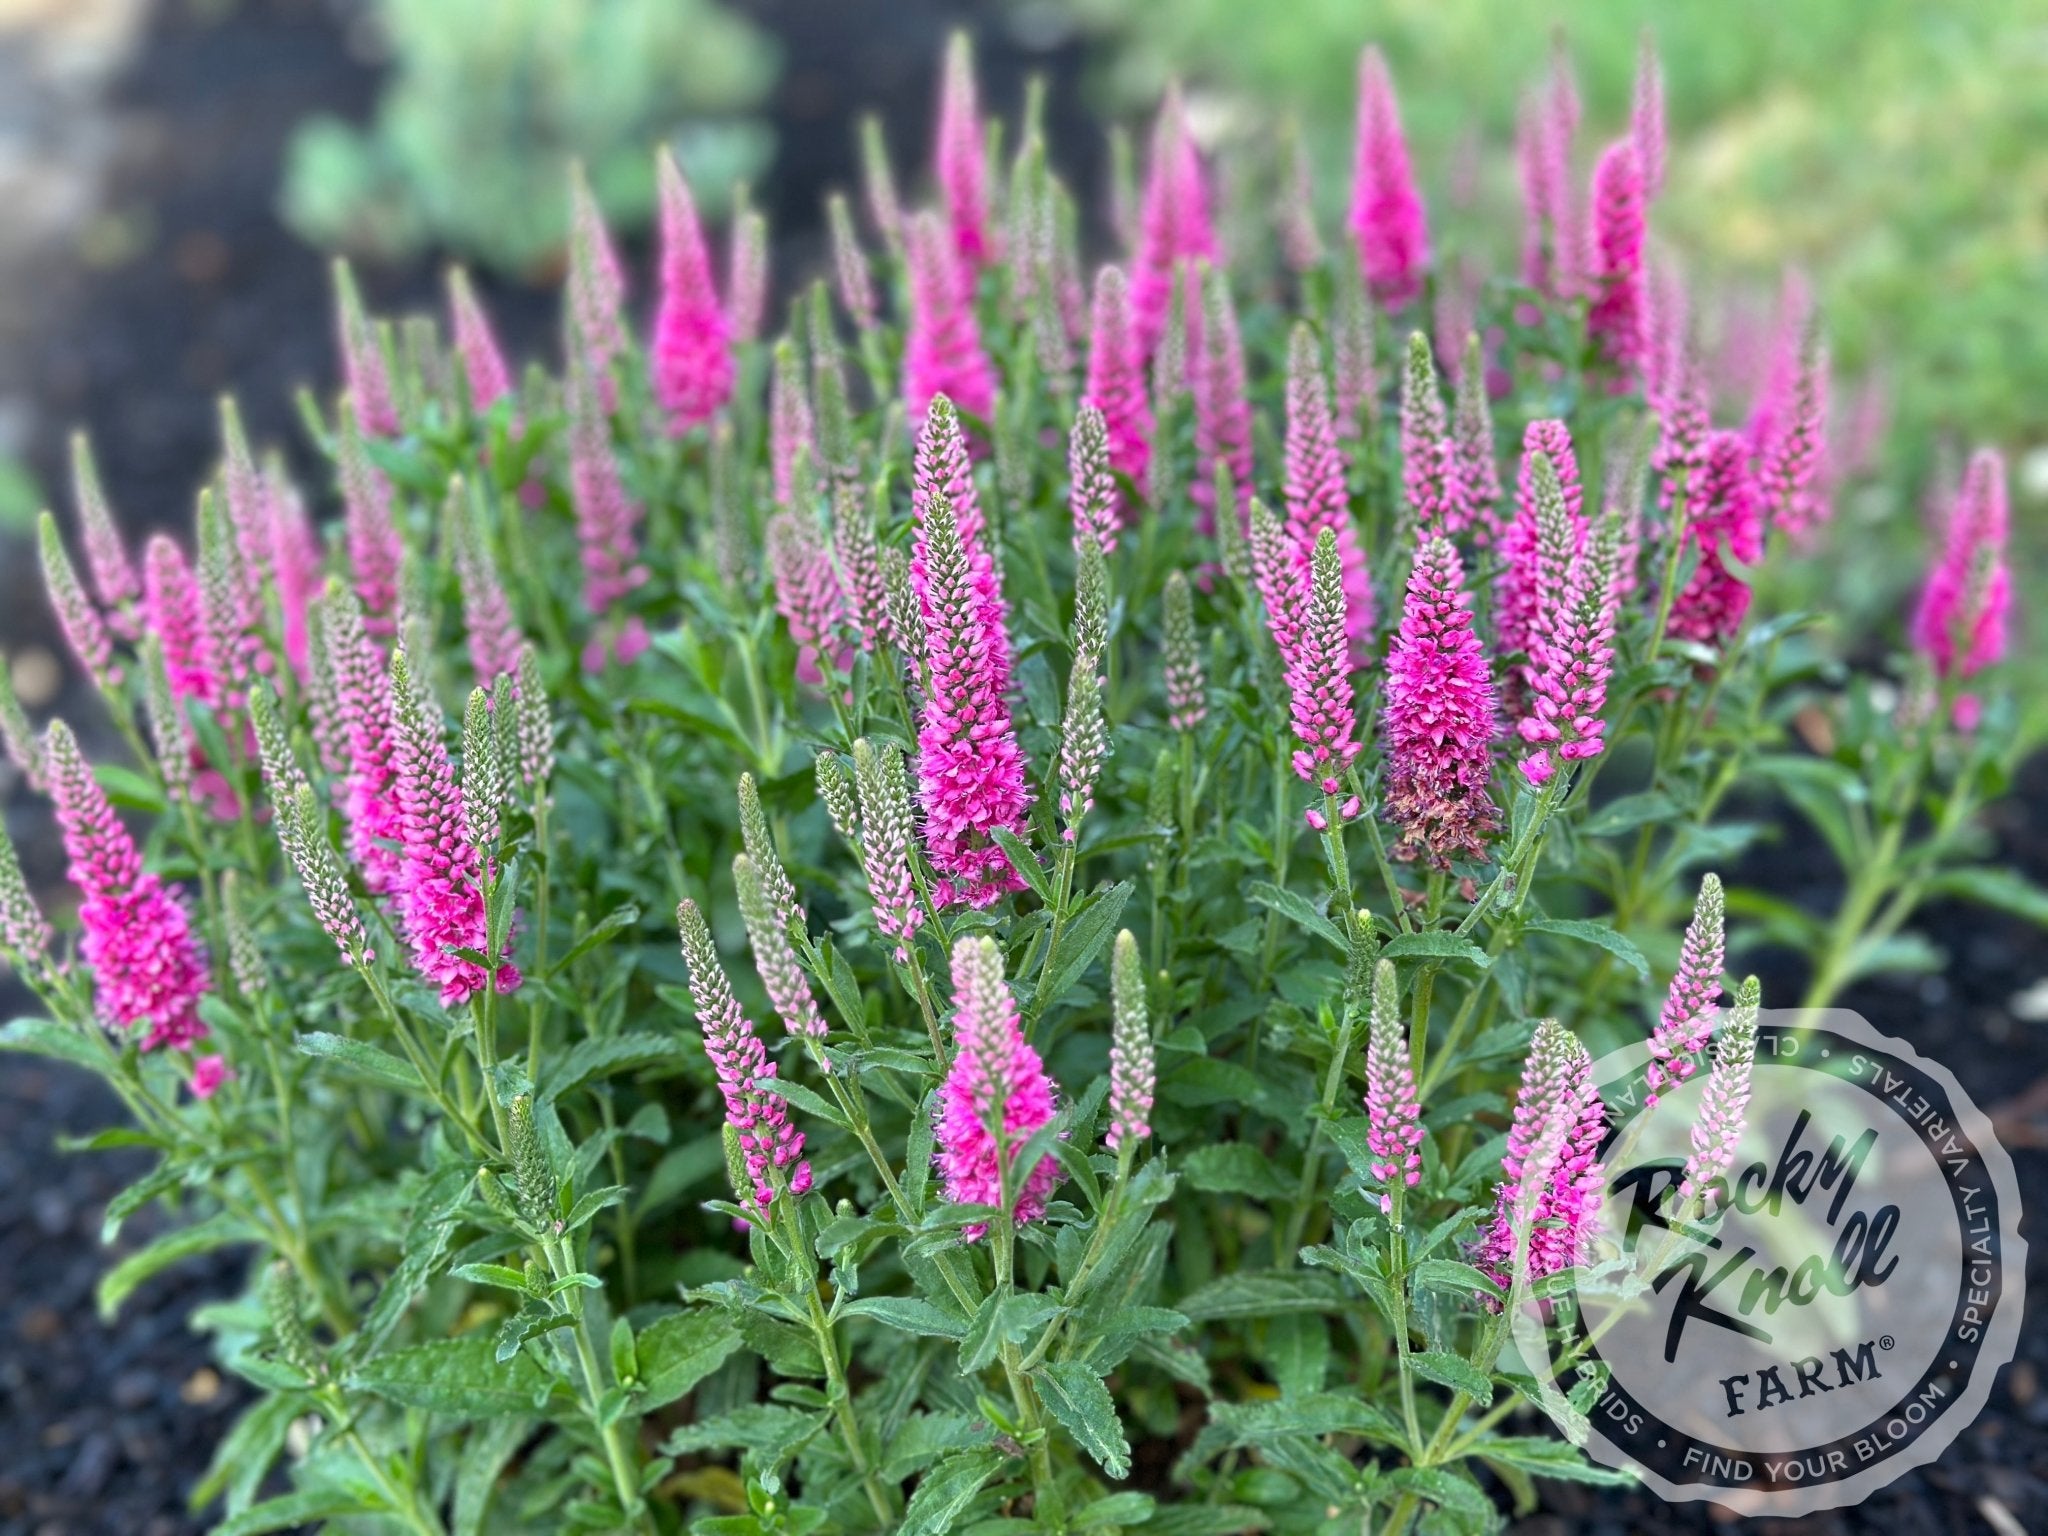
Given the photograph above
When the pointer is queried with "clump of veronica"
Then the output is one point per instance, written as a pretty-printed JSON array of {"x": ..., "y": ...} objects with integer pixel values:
[
  {"x": 1575, "y": 658},
  {"x": 942, "y": 351},
  {"x": 1091, "y": 496},
  {"x": 1187, "y": 697},
  {"x": 1688, "y": 1014},
  {"x": 376, "y": 552},
  {"x": 1440, "y": 721},
  {"x": 960, "y": 156},
  {"x": 114, "y": 581},
  {"x": 1131, "y": 1071},
  {"x": 1223, "y": 413},
  {"x": 994, "y": 1097},
  {"x": 690, "y": 354},
  {"x": 1614, "y": 320},
  {"x": 1960, "y": 624},
  {"x": 1387, "y": 219},
  {"x": 1393, "y": 1109},
  {"x": 1724, "y": 1106},
  {"x": 806, "y": 592},
  {"x": 1314, "y": 488},
  {"x": 439, "y": 893},
  {"x": 1173, "y": 221},
  {"x": 149, "y": 970},
  {"x": 1547, "y": 1208},
  {"x": 80, "y": 620},
  {"x": 772, "y": 1149},
  {"x": 1725, "y": 520},
  {"x": 1431, "y": 472},
  {"x": 595, "y": 312},
  {"x": 1319, "y": 683}
]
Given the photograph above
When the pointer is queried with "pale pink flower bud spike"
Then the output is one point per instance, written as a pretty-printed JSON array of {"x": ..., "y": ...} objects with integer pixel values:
[
  {"x": 24, "y": 933},
  {"x": 1091, "y": 495},
  {"x": 1316, "y": 496},
  {"x": 792, "y": 436},
  {"x": 690, "y": 356},
  {"x": 1547, "y": 1209},
  {"x": 1724, "y": 1106},
  {"x": 114, "y": 580},
  {"x": 1301, "y": 244},
  {"x": 1614, "y": 322},
  {"x": 1277, "y": 572},
  {"x": 883, "y": 788},
  {"x": 170, "y": 606},
  {"x": 1792, "y": 464},
  {"x": 1532, "y": 580},
  {"x": 782, "y": 976},
  {"x": 994, "y": 1097},
  {"x": 1432, "y": 472},
  {"x": 81, "y": 622},
  {"x": 1223, "y": 413},
  {"x": 364, "y": 369},
  {"x": 1319, "y": 683},
  {"x": 1131, "y": 1070},
  {"x": 807, "y": 594},
  {"x": 1575, "y": 659},
  {"x": 1646, "y": 115},
  {"x": 1187, "y": 692},
  {"x": 595, "y": 311},
  {"x": 607, "y": 518},
  {"x": 1387, "y": 219},
  {"x": 492, "y": 633},
  {"x": 1393, "y": 1110},
  {"x": 850, "y": 264},
  {"x": 1116, "y": 383},
  {"x": 960, "y": 156},
  {"x": 376, "y": 552},
  {"x": 476, "y": 343},
  {"x": 1472, "y": 432},
  {"x": 1687, "y": 1018},
  {"x": 746, "y": 271},
  {"x": 369, "y": 802}
]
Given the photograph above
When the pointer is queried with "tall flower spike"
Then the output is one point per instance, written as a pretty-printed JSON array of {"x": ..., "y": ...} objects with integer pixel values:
[
  {"x": 1781, "y": 357},
  {"x": 536, "y": 725},
  {"x": 1319, "y": 684},
  {"x": 861, "y": 584},
  {"x": 595, "y": 312},
  {"x": 1431, "y": 469},
  {"x": 842, "y": 799},
  {"x": 320, "y": 874},
  {"x": 1277, "y": 571},
  {"x": 494, "y": 638},
  {"x": 1092, "y": 494},
  {"x": 1792, "y": 466},
  {"x": 1725, "y": 518},
  {"x": 1614, "y": 322},
  {"x": 1576, "y": 657},
  {"x": 994, "y": 1097},
  {"x": 746, "y": 270},
  {"x": 168, "y": 732},
  {"x": 149, "y": 970},
  {"x": 1174, "y": 225},
  {"x": 1131, "y": 1071},
  {"x": 232, "y": 640},
  {"x": 1724, "y": 1106},
  {"x": 369, "y": 802},
  {"x": 850, "y": 264},
  {"x": 942, "y": 469},
  {"x": 1187, "y": 693},
  {"x": 484, "y": 775},
  {"x": 24, "y": 934},
  {"x": 1392, "y": 1107},
  {"x": 886, "y": 824},
  {"x": 171, "y": 612},
  {"x": 1533, "y": 567},
  {"x": 771, "y": 1149},
  {"x": 942, "y": 351},
  {"x": 1440, "y": 718},
  {"x": 1688, "y": 1015},
  {"x": 440, "y": 899},
  {"x": 1300, "y": 242},
  {"x": 691, "y": 354},
  {"x": 607, "y": 518},
  {"x": 298, "y": 557},
  {"x": 1314, "y": 488},
  {"x": 960, "y": 156},
  {"x": 906, "y": 616},
  {"x": 376, "y": 552},
  {"x": 782, "y": 976},
  {"x": 792, "y": 437},
  {"x": 1084, "y": 739},
  {"x": 1387, "y": 218},
  {"x": 1116, "y": 382},
  {"x": 971, "y": 777},
  {"x": 1548, "y": 1205},
  {"x": 16, "y": 734},
  {"x": 878, "y": 182},
  {"x": 839, "y": 446},
  {"x": 807, "y": 594},
  {"x": 1684, "y": 408},
  {"x": 106, "y": 554},
  {"x": 76, "y": 616},
  {"x": 1472, "y": 431},
  {"x": 1646, "y": 115},
  {"x": 1353, "y": 365},
  {"x": 1543, "y": 165},
  {"x": 1223, "y": 413},
  {"x": 476, "y": 344},
  {"x": 760, "y": 848},
  {"x": 1960, "y": 625},
  {"x": 362, "y": 359}
]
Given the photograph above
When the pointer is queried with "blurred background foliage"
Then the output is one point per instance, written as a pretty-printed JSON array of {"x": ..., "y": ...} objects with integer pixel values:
[{"x": 487, "y": 99}]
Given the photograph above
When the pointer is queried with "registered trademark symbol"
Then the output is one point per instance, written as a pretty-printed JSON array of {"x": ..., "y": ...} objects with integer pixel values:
[{"x": 1884, "y": 1341}]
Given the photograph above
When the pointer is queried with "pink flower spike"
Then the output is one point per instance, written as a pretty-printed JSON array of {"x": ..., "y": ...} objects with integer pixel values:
[
  {"x": 1614, "y": 323},
  {"x": 596, "y": 291},
  {"x": 1319, "y": 677},
  {"x": 1440, "y": 720},
  {"x": 782, "y": 975},
  {"x": 1091, "y": 495},
  {"x": 1646, "y": 115},
  {"x": 1684, "y": 407},
  {"x": 368, "y": 795},
  {"x": 476, "y": 344},
  {"x": 942, "y": 469},
  {"x": 80, "y": 620},
  {"x": 376, "y": 552},
  {"x": 1132, "y": 1073},
  {"x": 1317, "y": 498},
  {"x": 791, "y": 436},
  {"x": 1432, "y": 472},
  {"x": 1393, "y": 1110},
  {"x": 1472, "y": 433},
  {"x": 493, "y": 634},
  {"x": 1174, "y": 222},
  {"x": 439, "y": 897},
  {"x": 1792, "y": 464},
  {"x": 1575, "y": 654},
  {"x": 607, "y": 518},
  {"x": 148, "y": 966},
  {"x": 746, "y": 271},
  {"x": 995, "y": 1096},
  {"x": 1782, "y": 355},
  {"x": 362, "y": 359},
  {"x": 1688, "y": 1015},
  {"x": 886, "y": 825},
  {"x": 1724, "y": 1106},
  {"x": 114, "y": 581},
  {"x": 850, "y": 264},
  {"x": 1301, "y": 244},
  {"x": 1960, "y": 625},
  {"x": 1549, "y": 255},
  {"x": 1725, "y": 518},
  {"x": 1547, "y": 1210},
  {"x": 1387, "y": 218},
  {"x": 298, "y": 555},
  {"x": 691, "y": 354},
  {"x": 942, "y": 350},
  {"x": 807, "y": 594},
  {"x": 960, "y": 156},
  {"x": 208, "y": 1074},
  {"x": 1277, "y": 571},
  {"x": 170, "y": 606},
  {"x": 1223, "y": 413},
  {"x": 1116, "y": 383}
]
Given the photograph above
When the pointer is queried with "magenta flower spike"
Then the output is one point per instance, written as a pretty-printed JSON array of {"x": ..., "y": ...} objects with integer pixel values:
[
  {"x": 970, "y": 769},
  {"x": 1314, "y": 488},
  {"x": 1132, "y": 1073},
  {"x": 960, "y": 156},
  {"x": 1792, "y": 465},
  {"x": 995, "y": 1095},
  {"x": 1684, "y": 407},
  {"x": 1387, "y": 218},
  {"x": 861, "y": 581},
  {"x": 170, "y": 606},
  {"x": 1542, "y": 167},
  {"x": 1550, "y": 1198},
  {"x": 1724, "y": 1106},
  {"x": 1319, "y": 683},
  {"x": 440, "y": 897},
  {"x": 369, "y": 801},
  {"x": 1614, "y": 322},
  {"x": 1472, "y": 432},
  {"x": 81, "y": 622},
  {"x": 376, "y": 552},
  {"x": 114, "y": 581},
  {"x": 298, "y": 557},
  {"x": 1440, "y": 718},
  {"x": 1223, "y": 413},
  {"x": 690, "y": 357},
  {"x": 1173, "y": 222},
  {"x": 1279, "y": 574},
  {"x": 1392, "y": 1107},
  {"x": 1116, "y": 383},
  {"x": 492, "y": 633},
  {"x": 149, "y": 969},
  {"x": 596, "y": 291},
  {"x": 807, "y": 594},
  {"x": 1646, "y": 115},
  {"x": 1782, "y": 355},
  {"x": 1725, "y": 519},
  {"x": 1432, "y": 472},
  {"x": 771, "y": 1148},
  {"x": 362, "y": 359},
  {"x": 942, "y": 351},
  {"x": 1960, "y": 625},
  {"x": 476, "y": 344},
  {"x": 943, "y": 470},
  {"x": 607, "y": 519},
  {"x": 1091, "y": 495},
  {"x": 1687, "y": 1018},
  {"x": 792, "y": 439},
  {"x": 1575, "y": 657}
]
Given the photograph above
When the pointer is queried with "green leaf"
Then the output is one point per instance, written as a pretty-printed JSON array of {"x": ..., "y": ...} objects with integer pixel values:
[
  {"x": 944, "y": 1493},
  {"x": 680, "y": 1350},
  {"x": 603, "y": 1056},
  {"x": 2003, "y": 889},
  {"x": 1083, "y": 939},
  {"x": 60, "y": 1042},
  {"x": 119, "y": 1283},
  {"x": 361, "y": 1059},
  {"x": 245, "y": 1453},
  {"x": 1299, "y": 910},
  {"x": 1259, "y": 1294},
  {"x": 1076, "y": 1396},
  {"x": 1453, "y": 1371},
  {"x": 1456, "y": 1494},
  {"x": 1546, "y": 1457},
  {"x": 908, "y": 1314},
  {"x": 1603, "y": 934},
  {"x": 1117, "y": 1509},
  {"x": 1232, "y": 1168},
  {"x": 294, "y": 1510},
  {"x": 460, "y": 1377},
  {"x": 1630, "y": 812},
  {"x": 485, "y": 1456},
  {"x": 614, "y": 920},
  {"x": 1435, "y": 944},
  {"x": 504, "y": 1276},
  {"x": 1024, "y": 861},
  {"x": 1451, "y": 1275}
]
